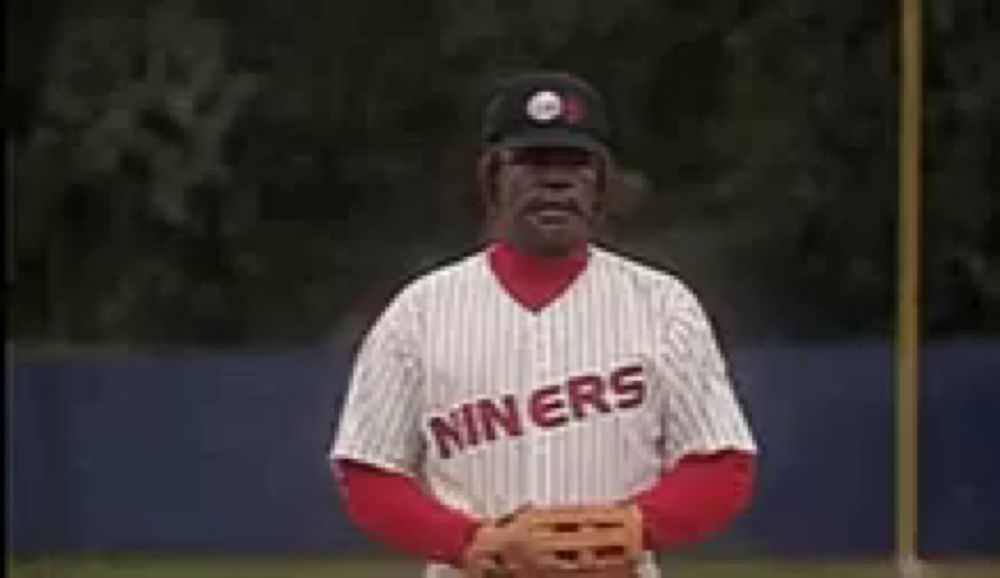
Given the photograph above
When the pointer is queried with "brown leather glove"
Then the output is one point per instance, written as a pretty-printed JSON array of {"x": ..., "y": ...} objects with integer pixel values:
[{"x": 585, "y": 541}]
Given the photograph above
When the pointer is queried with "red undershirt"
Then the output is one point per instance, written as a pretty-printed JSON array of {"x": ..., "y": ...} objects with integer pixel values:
[{"x": 698, "y": 496}]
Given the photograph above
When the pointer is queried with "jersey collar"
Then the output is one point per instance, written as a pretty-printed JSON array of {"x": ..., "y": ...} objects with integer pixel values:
[{"x": 535, "y": 281}]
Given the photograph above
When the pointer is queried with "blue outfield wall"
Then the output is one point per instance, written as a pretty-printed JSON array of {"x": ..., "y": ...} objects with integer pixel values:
[
  {"x": 226, "y": 452},
  {"x": 960, "y": 439}
]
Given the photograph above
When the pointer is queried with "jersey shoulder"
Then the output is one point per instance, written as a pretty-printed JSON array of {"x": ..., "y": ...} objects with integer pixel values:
[
  {"x": 464, "y": 269},
  {"x": 646, "y": 279},
  {"x": 666, "y": 296}
]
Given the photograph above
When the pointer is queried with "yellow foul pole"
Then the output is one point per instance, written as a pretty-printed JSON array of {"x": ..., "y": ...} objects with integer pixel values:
[{"x": 908, "y": 316}]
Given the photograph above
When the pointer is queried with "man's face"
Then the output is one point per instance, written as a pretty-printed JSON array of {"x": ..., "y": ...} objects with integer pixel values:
[{"x": 546, "y": 198}]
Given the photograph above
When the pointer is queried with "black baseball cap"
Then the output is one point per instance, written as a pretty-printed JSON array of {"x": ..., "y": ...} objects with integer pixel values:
[{"x": 536, "y": 109}]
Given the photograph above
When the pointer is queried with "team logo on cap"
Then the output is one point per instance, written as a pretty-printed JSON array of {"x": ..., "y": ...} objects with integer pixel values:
[
  {"x": 573, "y": 111},
  {"x": 544, "y": 106}
]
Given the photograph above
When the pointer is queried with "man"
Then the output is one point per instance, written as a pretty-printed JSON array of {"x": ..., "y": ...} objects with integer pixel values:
[{"x": 541, "y": 371}]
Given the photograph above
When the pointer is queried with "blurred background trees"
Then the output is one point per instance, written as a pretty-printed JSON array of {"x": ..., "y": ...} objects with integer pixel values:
[{"x": 224, "y": 172}]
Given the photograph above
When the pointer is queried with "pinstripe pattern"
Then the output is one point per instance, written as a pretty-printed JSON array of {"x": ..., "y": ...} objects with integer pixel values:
[{"x": 566, "y": 381}]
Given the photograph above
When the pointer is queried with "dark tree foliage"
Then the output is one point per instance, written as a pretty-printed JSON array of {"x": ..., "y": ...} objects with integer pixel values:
[{"x": 223, "y": 172}]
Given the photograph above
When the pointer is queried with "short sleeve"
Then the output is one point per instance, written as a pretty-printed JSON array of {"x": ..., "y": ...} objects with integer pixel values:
[
  {"x": 701, "y": 412},
  {"x": 380, "y": 421}
]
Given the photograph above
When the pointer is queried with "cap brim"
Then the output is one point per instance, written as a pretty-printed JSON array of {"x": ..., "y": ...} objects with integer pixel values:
[{"x": 554, "y": 137}]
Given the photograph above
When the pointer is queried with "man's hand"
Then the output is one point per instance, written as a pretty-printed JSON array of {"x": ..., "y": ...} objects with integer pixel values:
[
  {"x": 488, "y": 554},
  {"x": 585, "y": 541}
]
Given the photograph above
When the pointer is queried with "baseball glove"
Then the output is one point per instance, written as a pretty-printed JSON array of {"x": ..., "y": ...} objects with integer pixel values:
[{"x": 587, "y": 541}]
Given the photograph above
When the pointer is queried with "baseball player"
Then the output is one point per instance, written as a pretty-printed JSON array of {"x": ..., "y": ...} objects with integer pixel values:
[{"x": 544, "y": 406}]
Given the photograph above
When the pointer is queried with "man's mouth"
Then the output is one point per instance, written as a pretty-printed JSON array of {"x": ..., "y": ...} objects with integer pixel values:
[
  {"x": 553, "y": 216},
  {"x": 553, "y": 211}
]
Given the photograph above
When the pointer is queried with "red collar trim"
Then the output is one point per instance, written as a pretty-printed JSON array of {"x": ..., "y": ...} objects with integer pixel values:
[{"x": 535, "y": 281}]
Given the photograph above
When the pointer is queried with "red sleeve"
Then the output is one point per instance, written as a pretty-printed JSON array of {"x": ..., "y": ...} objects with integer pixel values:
[
  {"x": 696, "y": 498},
  {"x": 394, "y": 509}
]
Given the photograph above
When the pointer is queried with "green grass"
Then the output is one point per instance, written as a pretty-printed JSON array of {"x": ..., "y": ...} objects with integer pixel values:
[
  {"x": 208, "y": 567},
  {"x": 817, "y": 569},
  {"x": 214, "y": 567}
]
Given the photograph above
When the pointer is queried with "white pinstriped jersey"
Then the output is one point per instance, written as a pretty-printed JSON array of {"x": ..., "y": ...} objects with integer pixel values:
[{"x": 492, "y": 406}]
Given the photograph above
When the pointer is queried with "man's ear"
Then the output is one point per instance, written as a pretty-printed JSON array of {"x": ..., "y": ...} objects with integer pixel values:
[
  {"x": 605, "y": 184},
  {"x": 487, "y": 175},
  {"x": 487, "y": 169}
]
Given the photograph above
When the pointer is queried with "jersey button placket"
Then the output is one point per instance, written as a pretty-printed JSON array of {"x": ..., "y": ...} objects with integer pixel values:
[
  {"x": 542, "y": 370},
  {"x": 533, "y": 356}
]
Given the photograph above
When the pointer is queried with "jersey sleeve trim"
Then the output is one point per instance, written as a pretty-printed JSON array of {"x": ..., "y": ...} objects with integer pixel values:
[{"x": 371, "y": 459}]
